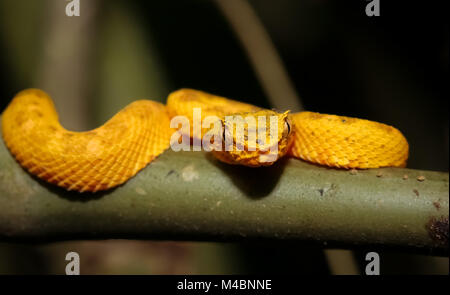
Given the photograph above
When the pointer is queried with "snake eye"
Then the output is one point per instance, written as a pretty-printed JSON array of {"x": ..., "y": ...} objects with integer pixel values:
[
  {"x": 287, "y": 126},
  {"x": 223, "y": 131}
]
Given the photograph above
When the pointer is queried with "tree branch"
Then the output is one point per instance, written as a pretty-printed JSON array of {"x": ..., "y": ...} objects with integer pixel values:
[{"x": 191, "y": 196}]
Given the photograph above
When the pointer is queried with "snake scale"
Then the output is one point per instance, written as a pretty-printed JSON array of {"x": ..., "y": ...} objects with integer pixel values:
[{"x": 108, "y": 156}]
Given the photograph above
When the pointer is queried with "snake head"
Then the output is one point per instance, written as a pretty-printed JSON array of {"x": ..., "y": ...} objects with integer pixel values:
[{"x": 254, "y": 139}]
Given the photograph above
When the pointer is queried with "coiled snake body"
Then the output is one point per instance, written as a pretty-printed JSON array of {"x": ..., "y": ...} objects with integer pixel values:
[{"x": 113, "y": 153}]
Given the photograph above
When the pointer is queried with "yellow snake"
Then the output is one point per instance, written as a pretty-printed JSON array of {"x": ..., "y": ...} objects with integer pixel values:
[{"x": 113, "y": 153}]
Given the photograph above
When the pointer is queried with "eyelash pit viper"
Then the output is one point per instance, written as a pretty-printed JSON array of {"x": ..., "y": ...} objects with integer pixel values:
[{"x": 108, "y": 156}]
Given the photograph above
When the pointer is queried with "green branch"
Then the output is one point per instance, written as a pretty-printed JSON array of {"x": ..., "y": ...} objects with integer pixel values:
[{"x": 191, "y": 196}]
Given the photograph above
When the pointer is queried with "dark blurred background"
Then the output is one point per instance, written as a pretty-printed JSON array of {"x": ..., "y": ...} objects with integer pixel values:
[{"x": 328, "y": 57}]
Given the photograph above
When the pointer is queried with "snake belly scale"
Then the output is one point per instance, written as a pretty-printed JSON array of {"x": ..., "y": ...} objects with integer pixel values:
[{"x": 108, "y": 156}]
